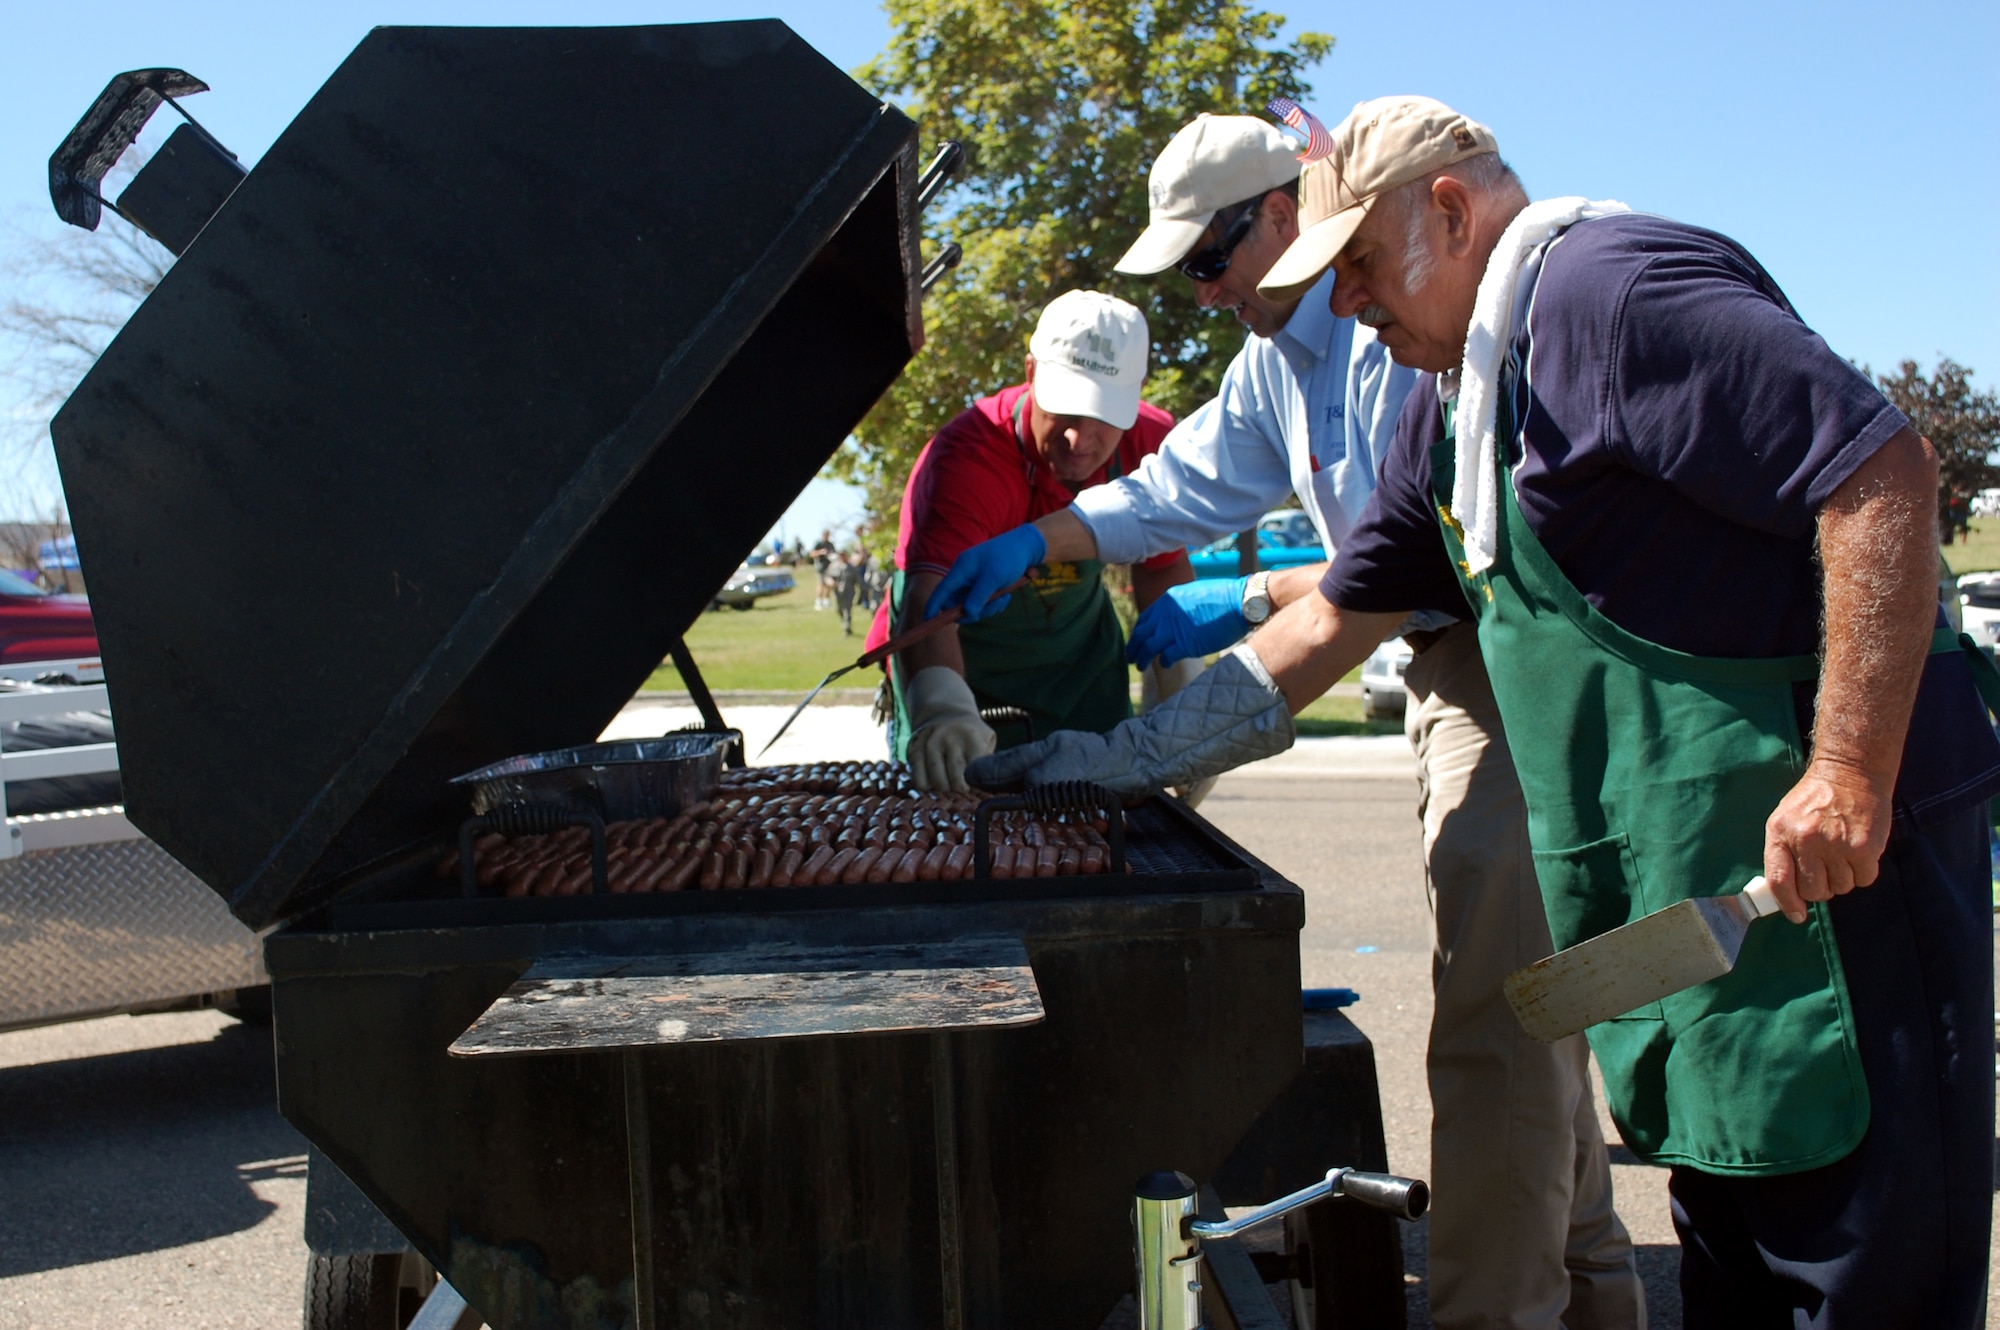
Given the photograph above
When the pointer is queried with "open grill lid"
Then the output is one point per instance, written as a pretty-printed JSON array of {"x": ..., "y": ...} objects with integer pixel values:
[{"x": 456, "y": 414}]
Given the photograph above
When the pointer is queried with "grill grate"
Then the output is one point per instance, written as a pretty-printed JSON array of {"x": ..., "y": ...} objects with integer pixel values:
[{"x": 1158, "y": 842}]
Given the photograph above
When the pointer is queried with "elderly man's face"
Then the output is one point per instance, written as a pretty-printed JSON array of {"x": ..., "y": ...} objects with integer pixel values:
[
  {"x": 1413, "y": 280},
  {"x": 1276, "y": 228},
  {"x": 1075, "y": 448}
]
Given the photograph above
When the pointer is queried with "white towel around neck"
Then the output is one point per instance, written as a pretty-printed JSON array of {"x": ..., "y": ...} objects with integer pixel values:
[{"x": 1497, "y": 315}]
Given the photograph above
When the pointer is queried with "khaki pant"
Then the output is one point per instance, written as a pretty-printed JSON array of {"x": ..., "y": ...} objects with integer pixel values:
[{"x": 1522, "y": 1233}]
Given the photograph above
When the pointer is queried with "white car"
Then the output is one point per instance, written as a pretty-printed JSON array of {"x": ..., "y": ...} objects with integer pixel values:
[
  {"x": 1382, "y": 693},
  {"x": 1979, "y": 607}
]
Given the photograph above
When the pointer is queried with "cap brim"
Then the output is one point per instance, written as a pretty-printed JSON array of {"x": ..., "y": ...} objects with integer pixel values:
[
  {"x": 1312, "y": 253},
  {"x": 1062, "y": 391},
  {"x": 1162, "y": 245}
]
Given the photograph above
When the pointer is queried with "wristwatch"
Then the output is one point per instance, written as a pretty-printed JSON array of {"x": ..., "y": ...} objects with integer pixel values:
[{"x": 1257, "y": 598}]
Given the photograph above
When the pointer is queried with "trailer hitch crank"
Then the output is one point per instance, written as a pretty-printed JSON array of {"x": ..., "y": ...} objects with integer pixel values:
[{"x": 1167, "y": 1237}]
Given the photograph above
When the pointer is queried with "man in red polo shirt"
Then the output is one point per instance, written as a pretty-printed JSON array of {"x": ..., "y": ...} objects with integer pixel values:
[{"x": 1056, "y": 652}]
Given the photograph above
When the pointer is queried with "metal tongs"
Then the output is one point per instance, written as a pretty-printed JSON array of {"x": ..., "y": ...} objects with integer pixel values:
[{"x": 906, "y": 638}]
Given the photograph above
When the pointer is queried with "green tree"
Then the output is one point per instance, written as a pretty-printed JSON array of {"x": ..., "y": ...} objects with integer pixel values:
[
  {"x": 1962, "y": 424},
  {"x": 1061, "y": 109}
]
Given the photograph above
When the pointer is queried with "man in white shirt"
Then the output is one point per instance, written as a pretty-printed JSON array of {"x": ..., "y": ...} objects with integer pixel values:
[{"x": 1522, "y": 1228}]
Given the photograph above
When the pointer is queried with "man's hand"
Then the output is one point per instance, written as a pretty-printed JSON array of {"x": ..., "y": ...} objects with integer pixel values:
[
  {"x": 983, "y": 570},
  {"x": 1194, "y": 619},
  {"x": 945, "y": 729},
  {"x": 1826, "y": 838}
]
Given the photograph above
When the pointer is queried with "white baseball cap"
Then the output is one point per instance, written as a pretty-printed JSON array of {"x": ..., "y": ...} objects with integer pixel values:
[
  {"x": 1090, "y": 354},
  {"x": 1213, "y": 162}
]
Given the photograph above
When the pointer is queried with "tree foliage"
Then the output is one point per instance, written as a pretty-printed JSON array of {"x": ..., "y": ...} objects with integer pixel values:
[
  {"x": 1061, "y": 110},
  {"x": 1962, "y": 424}
]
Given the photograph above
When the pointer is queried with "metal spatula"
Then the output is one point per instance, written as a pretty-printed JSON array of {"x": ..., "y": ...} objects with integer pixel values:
[
  {"x": 1683, "y": 945},
  {"x": 889, "y": 648}
]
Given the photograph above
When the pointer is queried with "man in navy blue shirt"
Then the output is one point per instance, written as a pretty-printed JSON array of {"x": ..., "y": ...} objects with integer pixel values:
[{"x": 1701, "y": 550}]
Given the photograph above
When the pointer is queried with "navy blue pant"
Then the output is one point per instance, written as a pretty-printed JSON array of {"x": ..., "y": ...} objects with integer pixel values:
[{"x": 1897, "y": 1233}]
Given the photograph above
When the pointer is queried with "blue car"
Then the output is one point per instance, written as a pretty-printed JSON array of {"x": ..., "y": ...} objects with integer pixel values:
[{"x": 1285, "y": 539}]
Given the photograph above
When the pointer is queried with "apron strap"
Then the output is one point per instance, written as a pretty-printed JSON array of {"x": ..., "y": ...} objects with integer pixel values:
[{"x": 1985, "y": 675}]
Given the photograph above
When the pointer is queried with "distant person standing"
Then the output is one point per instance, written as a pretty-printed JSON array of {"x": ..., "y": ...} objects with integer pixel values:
[
  {"x": 865, "y": 593},
  {"x": 822, "y": 556},
  {"x": 847, "y": 574}
]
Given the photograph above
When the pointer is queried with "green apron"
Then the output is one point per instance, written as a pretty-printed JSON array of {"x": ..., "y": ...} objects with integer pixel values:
[
  {"x": 1057, "y": 651},
  {"x": 1648, "y": 775}
]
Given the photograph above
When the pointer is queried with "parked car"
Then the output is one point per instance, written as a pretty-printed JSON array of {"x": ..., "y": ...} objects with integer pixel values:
[
  {"x": 1979, "y": 607},
  {"x": 45, "y": 637},
  {"x": 751, "y": 583},
  {"x": 1383, "y": 696},
  {"x": 1291, "y": 527},
  {"x": 1286, "y": 538}
]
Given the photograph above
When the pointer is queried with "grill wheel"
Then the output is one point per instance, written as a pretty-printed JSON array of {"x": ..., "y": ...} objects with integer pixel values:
[
  {"x": 1345, "y": 1264},
  {"x": 378, "y": 1291}
]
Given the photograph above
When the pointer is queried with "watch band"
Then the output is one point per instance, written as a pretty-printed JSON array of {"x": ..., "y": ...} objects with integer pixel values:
[{"x": 1257, "y": 598}]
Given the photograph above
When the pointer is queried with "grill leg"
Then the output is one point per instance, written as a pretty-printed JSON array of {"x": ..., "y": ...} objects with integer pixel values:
[
  {"x": 639, "y": 1166},
  {"x": 951, "y": 1234}
]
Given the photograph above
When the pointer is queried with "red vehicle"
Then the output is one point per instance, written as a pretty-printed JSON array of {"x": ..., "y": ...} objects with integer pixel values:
[{"x": 46, "y": 637}]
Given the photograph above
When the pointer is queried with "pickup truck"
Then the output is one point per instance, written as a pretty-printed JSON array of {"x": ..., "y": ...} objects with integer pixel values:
[{"x": 46, "y": 637}]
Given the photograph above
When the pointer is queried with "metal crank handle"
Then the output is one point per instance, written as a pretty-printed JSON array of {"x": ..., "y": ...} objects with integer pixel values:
[{"x": 1405, "y": 1198}]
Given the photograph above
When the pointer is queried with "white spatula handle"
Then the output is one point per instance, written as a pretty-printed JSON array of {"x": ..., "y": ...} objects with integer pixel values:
[{"x": 1758, "y": 893}]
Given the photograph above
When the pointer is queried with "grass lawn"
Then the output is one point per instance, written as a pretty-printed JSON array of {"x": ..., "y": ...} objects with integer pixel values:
[
  {"x": 780, "y": 643},
  {"x": 1340, "y": 716},
  {"x": 1980, "y": 553},
  {"x": 784, "y": 644}
]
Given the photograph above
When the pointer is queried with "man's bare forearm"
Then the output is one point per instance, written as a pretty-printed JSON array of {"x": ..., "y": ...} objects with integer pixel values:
[
  {"x": 1878, "y": 552},
  {"x": 941, "y": 647},
  {"x": 1067, "y": 537},
  {"x": 1878, "y": 559},
  {"x": 1311, "y": 644},
  {"x": 1290, "y": 584}
]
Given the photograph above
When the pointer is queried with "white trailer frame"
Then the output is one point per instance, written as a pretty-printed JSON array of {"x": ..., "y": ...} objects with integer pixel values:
[{"x": 96, "y": 919}]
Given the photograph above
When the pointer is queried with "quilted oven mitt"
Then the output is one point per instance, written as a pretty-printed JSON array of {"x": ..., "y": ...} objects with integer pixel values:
[{"x": 1231, "y": 715}]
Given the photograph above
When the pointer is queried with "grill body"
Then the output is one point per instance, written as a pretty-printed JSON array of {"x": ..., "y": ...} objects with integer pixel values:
[{"x": 974, "y": 1178}]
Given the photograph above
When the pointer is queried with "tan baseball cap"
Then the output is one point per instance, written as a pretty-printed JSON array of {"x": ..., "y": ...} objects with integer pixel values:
[
  {"x": 1382, "y": 144},
  {"x": 1090, "y": 354},
  {"x": 1214, "y": 161}
]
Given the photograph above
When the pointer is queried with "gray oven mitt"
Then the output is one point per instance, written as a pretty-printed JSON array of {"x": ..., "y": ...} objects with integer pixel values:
[{"x": 1231, "y": 715}]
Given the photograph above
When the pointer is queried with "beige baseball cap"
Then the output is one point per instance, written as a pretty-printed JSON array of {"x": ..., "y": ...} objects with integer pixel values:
[
  {"x": 1090, "y": 354},
  {"x": 1382, "y": 144},
  {"x": 1214, "y": 161}
]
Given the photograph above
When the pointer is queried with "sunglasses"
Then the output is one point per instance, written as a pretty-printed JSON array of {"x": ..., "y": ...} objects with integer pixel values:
[{"x": 1210, "y": 262}]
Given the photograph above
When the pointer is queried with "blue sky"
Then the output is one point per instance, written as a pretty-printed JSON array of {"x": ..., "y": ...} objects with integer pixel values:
[{"x": 1854, "y": 148}]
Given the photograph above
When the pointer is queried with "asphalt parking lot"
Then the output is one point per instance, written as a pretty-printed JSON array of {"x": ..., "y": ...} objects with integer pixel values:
[{"x": 149, "y": 1182}]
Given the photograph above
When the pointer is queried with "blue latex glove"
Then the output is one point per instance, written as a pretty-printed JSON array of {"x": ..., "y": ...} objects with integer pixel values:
[
  {"x": 984, "y": 569},
  {"x": 1192, "y": 619}
]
